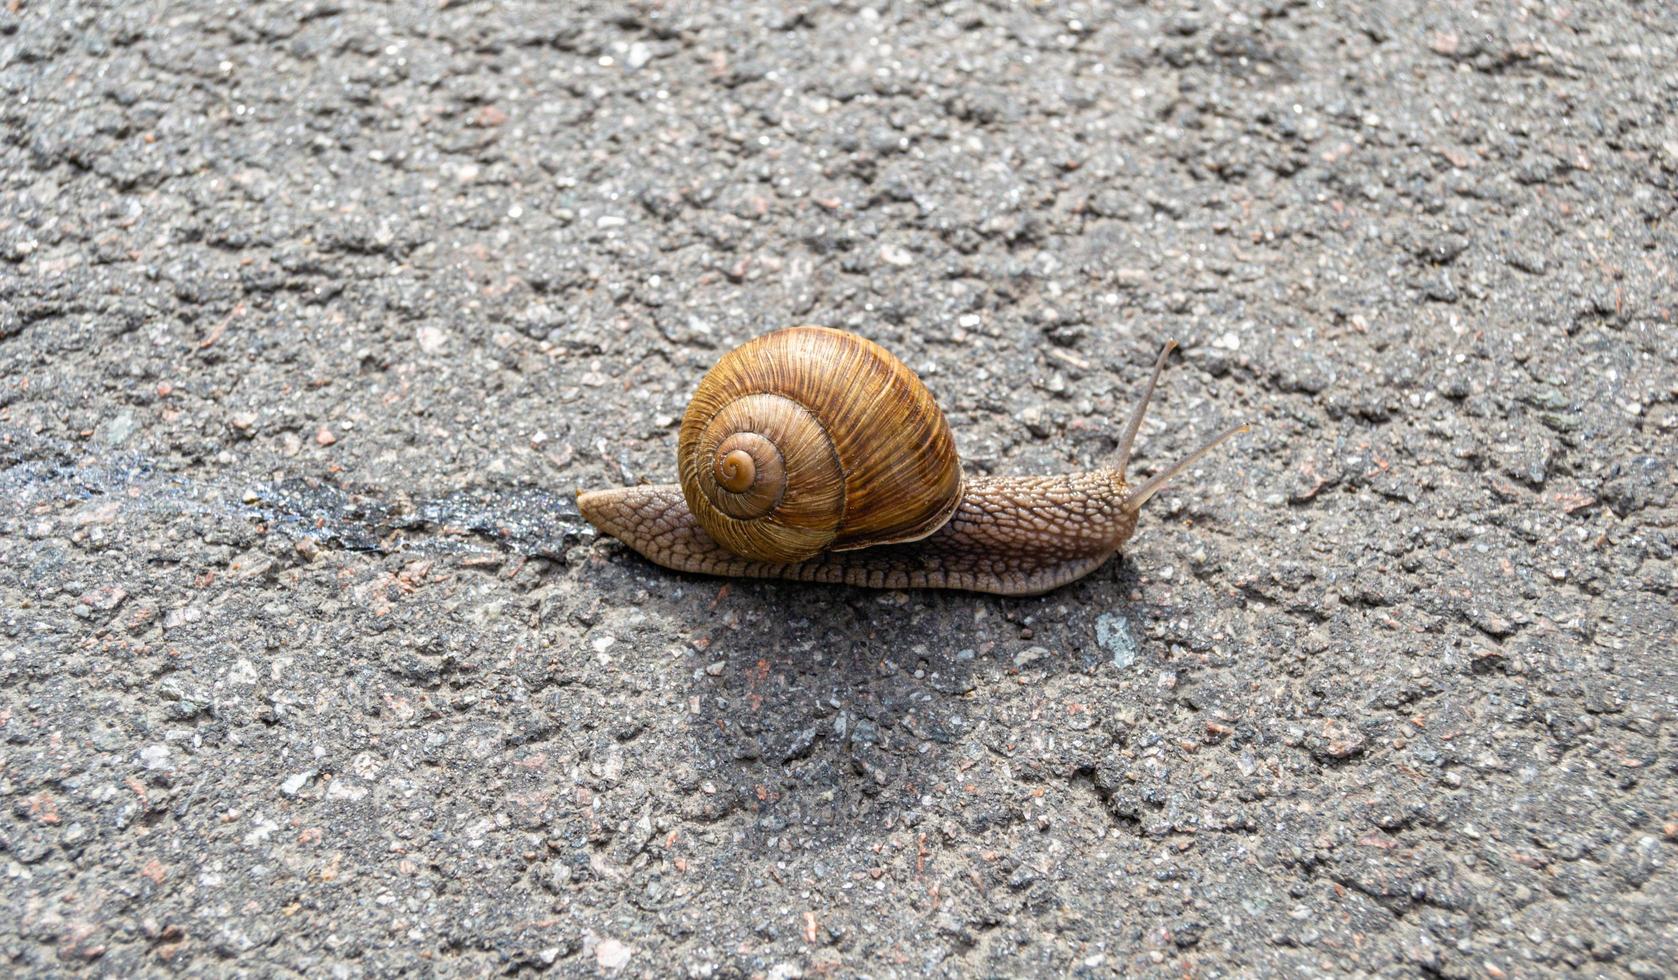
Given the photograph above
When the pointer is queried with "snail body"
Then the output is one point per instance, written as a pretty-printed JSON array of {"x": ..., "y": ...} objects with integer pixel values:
[{"x": 814, "y": 455}]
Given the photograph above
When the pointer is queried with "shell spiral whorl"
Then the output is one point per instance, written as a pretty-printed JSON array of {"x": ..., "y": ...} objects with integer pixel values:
[
  {"x": 786, "y": 497},
  {"x": 810, "y": 439},
  {"x": 737, "y": 468}
]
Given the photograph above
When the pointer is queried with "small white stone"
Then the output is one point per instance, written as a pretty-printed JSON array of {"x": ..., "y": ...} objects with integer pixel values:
[
  {"x": 612, "y": 955},
  {"x": 897, "y": 255},
  {"x": 262, "y": 828},
  {"x": 431, "y": 339}
]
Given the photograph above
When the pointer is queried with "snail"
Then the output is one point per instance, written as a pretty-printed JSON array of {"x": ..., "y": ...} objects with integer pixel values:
[{"x": 815, "y": 455}]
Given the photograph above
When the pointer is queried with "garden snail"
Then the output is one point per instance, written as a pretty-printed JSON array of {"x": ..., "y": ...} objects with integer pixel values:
[{"x": 815, "y": 455}]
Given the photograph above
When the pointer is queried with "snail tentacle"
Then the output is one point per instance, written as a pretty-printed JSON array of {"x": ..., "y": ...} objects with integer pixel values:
[
  {"x": 1134, "y": 500},
  {"x": 1127, "y": 441}
]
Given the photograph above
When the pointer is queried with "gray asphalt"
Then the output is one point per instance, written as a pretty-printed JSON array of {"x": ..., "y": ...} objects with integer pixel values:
[{"x": 313, "y": 317}]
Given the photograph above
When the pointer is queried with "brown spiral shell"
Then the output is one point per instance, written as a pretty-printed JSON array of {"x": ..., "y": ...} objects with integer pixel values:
[{"x": 810, "y": 439}]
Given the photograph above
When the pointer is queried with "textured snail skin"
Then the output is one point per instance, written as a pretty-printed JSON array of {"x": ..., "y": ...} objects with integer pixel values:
[{"x": 1009, "y": 535}]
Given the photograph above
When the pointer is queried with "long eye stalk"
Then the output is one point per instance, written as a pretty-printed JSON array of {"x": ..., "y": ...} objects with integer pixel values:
[
  {"x": 1136, "y": 498},
  {"x": 1128, "y": 440}
]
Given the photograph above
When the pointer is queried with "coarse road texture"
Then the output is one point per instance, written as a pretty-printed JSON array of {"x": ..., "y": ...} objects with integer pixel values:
[{"x": 313, "y": 317}]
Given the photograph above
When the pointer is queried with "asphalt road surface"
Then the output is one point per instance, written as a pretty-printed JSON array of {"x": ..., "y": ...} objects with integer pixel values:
[{"x": 314, "y": 317}]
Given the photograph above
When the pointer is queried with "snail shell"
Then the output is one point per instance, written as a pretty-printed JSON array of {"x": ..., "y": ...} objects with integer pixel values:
[{"x": 808, "y": 440}]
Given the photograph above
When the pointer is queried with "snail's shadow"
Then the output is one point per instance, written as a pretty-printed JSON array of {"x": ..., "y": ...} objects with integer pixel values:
[{"x": 828, "y": 712}]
